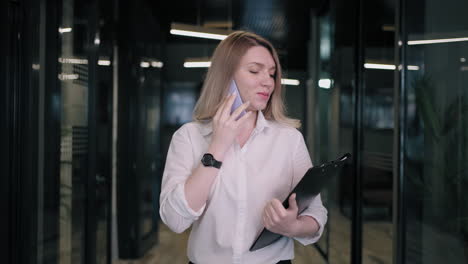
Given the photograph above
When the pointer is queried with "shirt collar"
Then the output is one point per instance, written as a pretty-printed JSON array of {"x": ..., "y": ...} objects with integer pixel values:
[
  {"x": 206, "y": 127},
  {"x": 262, "y": 123}
]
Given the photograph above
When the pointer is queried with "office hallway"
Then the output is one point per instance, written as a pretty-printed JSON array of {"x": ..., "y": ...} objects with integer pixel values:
[
  {"x": 171, "y": 247},
  {"x": 93, "y": 92}
]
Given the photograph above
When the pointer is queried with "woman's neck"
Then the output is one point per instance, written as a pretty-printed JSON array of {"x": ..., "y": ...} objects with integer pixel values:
[{"x": 246, "y": 130}]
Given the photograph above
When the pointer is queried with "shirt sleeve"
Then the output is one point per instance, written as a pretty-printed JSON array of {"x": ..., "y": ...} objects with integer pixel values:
[
  {"x": 174, "y": 209},
  {"x": 301, "y": 163}
]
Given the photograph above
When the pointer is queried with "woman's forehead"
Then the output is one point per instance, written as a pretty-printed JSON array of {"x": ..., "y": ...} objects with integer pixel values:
[{"x": 259, "y": 56}]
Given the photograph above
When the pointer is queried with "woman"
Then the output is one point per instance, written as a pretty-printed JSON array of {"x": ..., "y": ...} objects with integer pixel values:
[{"x": 226, "y": 176}]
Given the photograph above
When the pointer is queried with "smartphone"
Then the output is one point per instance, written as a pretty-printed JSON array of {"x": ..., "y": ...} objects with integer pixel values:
[{"x": 238, "y": 101}]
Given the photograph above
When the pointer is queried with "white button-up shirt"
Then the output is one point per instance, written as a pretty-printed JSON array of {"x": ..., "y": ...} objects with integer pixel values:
[{"x": 268, "y": 166}]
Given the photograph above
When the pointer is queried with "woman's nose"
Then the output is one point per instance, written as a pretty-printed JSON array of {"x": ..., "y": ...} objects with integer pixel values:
[{"x": 267, "y": 80}]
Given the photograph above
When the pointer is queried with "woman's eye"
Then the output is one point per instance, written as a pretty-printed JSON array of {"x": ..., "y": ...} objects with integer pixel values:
[{"x": 254, "y": 72}]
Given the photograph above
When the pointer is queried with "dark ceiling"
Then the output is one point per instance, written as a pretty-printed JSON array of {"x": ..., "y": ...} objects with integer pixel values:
[{"x": 285, "y": 23}]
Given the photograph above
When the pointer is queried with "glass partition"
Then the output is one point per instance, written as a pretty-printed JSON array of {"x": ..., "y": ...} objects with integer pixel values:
[
  {"x": 333, "y": 83},
  {"x": 74, "y": 84},
  {"x": 377, "y": 122},
  {"x": 435, "y": 35},
  {"x": 74, "y": 182}
]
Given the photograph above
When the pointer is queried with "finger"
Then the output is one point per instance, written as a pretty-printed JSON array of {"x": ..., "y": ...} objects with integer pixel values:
[
  {"x": 277, "y": 213},
  {"x": 269, "y": 219},
  {"x": 222, "y": 107},
  {"x": 243, "y": 119},
  {"x": 270, "y": 212},
  {"x": 292, "y": 202},
  {"x": 226, "y": 112},
  {"x": 239, "y": 110},
  {"x": 266, "y": 220},
  {"x": 266, "y": 217},
  {"x": 278, "y": 208}
]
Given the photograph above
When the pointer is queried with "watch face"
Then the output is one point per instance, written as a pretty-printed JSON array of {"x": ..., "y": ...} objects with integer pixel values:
[{"x": 207, "y": 160}]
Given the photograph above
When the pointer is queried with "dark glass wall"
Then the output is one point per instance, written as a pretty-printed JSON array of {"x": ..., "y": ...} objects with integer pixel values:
[
  {"x": 333, "y": 87},
  {"x": 353, "y": 112},
  {"x": 7, "y": 18},
  {"x": 48, "y": 139},
  {"x": 59, "y": 71},
  {"x": 50, "y": 68},
  {"x": 19, "y": 90},
  {"x": 139, "y": 42},
  {"x": 377, "y": 123},
  {"x": 341, "y": 70},
  {"x": 433, "y": 90}
]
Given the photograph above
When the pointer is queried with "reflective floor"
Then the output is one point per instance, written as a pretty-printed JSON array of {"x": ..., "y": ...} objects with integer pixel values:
[{"x": 171, "y": 246}]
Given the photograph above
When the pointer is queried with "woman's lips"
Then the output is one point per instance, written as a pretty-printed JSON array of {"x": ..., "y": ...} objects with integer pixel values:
[{"x": 264, "y": 95}]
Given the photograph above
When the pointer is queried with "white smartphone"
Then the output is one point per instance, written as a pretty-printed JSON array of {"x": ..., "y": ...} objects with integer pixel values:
[{"x": 238, "y": 101}]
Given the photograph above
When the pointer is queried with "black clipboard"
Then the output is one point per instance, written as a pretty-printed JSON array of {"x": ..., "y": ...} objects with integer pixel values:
[{"x": 314, "y": 180}]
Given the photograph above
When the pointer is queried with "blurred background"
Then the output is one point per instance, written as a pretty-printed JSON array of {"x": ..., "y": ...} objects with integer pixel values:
[{"x": 93, "y": 90}]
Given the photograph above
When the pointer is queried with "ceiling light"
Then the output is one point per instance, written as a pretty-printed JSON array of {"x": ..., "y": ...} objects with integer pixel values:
[
  {"x": 198, "y": 32},
  {"x": 157, "y": 64},
  {"x": 104, "y": 62},
  {"x": 325, "y": 83},
  {"x": 64, "y": 30},
  {"x": 197, "y": 64},
  {"x": 65, "y": 77},
  {"x": 73, "y": 61},
  {"x": 379, "y": 66},
  {"x": 413, "y": 68},
  {"x": 151, "y": 62},
  {"x": 200, "y": 62},
  {"x": 435, "y": 41},
  {"x": 290, "y": 82}
]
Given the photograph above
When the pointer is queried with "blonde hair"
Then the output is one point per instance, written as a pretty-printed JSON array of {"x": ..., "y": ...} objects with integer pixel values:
[{"x": 224, "y": 63}]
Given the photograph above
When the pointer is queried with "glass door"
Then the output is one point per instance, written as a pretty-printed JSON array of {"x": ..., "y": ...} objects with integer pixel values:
[
  {"x": 377, "y": 123},
  {"x": 74, "y": 136},
  {"x": 354, "y": 113},
  {"x": 434, "y": 118},
  {"x": 74, "y": 179},
  {"x": 333, "y": 82}
]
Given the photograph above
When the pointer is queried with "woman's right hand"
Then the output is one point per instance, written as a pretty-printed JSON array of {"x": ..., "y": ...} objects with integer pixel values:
[{"x": 226, "y": 127}]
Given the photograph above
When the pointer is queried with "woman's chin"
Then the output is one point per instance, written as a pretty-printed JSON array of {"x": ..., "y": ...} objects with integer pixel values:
[{"x": 256, "y": 107}]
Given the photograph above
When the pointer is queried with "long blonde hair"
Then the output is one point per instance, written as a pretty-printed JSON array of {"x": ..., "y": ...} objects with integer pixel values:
[{"x": 224, "y": 62}]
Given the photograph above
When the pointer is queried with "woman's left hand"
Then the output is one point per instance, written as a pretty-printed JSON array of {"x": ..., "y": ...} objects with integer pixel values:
[{"x": 280, "y": 220}]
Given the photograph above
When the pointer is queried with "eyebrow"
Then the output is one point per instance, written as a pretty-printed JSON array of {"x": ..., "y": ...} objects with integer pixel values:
[{"x": 262, "y": 65}]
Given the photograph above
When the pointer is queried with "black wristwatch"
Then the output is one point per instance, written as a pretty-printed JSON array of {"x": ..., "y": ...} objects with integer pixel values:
[{"x": 209, "y": 161}]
